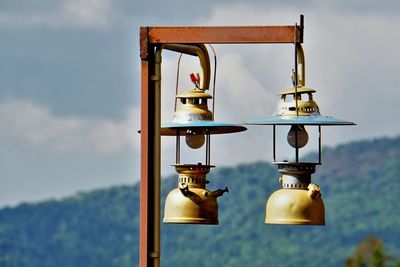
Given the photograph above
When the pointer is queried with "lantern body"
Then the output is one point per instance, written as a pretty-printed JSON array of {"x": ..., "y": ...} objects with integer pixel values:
[
  {"x": 299, "y": 201},
  {"x": 191, "y": 202},
  {"x": 294, "y": 206}
]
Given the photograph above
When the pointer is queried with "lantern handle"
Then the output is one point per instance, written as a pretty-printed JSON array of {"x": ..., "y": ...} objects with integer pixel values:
[
  {"x": 214, "y": 78},
  {"x": 300, "y": 66},
  {"x": 299, "y": 74},
  {"x": 201, "y": 52}
]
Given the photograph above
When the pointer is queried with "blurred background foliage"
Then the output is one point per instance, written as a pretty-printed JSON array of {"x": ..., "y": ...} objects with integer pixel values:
[
  {"x": 359, "y": 183},
  {"x": 370, "y": 253}
]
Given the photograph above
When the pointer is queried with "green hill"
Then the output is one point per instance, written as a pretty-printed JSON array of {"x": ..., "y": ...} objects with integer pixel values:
[{"x": 100, "y": 228}]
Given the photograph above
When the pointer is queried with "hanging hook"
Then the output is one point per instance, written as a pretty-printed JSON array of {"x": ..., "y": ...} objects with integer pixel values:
[
  {"x": 214, "y": 78},
  {"x": 177, "y": 80},
  {"x": 201, "y": 52},
  {"x": 301, "y": 65}
]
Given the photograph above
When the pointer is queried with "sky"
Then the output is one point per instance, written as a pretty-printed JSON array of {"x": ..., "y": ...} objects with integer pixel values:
[{"x": 70, "y": 84}]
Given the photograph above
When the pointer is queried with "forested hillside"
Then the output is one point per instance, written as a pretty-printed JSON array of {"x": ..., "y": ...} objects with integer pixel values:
[{"x": 359, "y": 183}]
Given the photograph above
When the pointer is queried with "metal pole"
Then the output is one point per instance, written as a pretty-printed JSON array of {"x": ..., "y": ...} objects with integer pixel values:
[
  {"x": 274, "y": 143},
  {"x": 146, "y": 172},
  {"x": 319, "y": 145},
  {"x": 178, "y": 148},
  {"x": 155, "y": 252},
  {"x": 149, "y": 255}
]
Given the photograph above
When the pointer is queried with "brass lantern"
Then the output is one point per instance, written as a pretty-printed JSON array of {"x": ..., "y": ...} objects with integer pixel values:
[
  {"x": 191, "y": 202},
  {"x": 299, "y": 201}
]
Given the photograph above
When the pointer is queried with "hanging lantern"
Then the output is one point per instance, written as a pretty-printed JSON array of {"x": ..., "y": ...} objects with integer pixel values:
[
  {"x": 299, "y": 201},
  {"x": 191, "y": 202}
]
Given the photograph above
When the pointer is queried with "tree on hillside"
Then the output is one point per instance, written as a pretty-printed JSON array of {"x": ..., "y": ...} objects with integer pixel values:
[{"x": 370, "y": 253}]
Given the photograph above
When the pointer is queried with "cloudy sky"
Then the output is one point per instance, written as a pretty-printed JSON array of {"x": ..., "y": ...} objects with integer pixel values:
[{"x": 69, "y": 83}]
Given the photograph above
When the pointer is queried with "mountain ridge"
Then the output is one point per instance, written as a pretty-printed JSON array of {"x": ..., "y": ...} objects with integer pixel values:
[{"x": 100, "y": 228}]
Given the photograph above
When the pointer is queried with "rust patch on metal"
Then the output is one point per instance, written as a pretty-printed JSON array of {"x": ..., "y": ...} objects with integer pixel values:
[
  {"x": 224, "y": 34},
  {"x": 144, "y": 41}
]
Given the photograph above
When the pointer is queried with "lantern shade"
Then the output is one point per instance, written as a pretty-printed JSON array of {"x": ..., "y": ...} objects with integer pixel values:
[
  {"x": 209, "y": 127},
  {"x": 299, "y": 120}
]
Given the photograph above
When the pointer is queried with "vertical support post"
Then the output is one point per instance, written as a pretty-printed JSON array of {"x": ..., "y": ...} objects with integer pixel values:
[
  {"x": 144, "y": 176},
  {"x": 208, "y": 148},
  {"x": 156, "y": 79},
  {"x": 296, "y": 144},
  {"x": 274, "y": 143},
  {"x": 149, "y": 255},
  {"x": 319, "y": 145},
  {"x": 178, "y": 148}
]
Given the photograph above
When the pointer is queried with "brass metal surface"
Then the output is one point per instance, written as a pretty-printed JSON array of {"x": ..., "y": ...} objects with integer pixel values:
[
  {"x": 299, "y": 201},
  {"x": 191, "y": 202},
  {"x": 193, "y": 94},
  {"x": 198, "y": 206},
  {"x": 295, "y": 206},
  {"x": 305, "y": 106},
  {"x": 192, "y": 106}
]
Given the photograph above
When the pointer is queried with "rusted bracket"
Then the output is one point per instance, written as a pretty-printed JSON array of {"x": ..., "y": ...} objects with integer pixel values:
[{"x": 219, "y": 35}]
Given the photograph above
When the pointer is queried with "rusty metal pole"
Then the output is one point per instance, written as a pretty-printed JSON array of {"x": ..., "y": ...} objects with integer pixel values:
[{"x": 149, "y": 255}]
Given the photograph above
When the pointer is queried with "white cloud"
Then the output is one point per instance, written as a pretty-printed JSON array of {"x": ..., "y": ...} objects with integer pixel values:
[
  {"x": 93, "y": 14},
  {"x": 87, "y": 12},
  {"x": 240, "y": 92},
  {"x": 34, "y": 125},
  {"x": 252, "y": 14}
]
